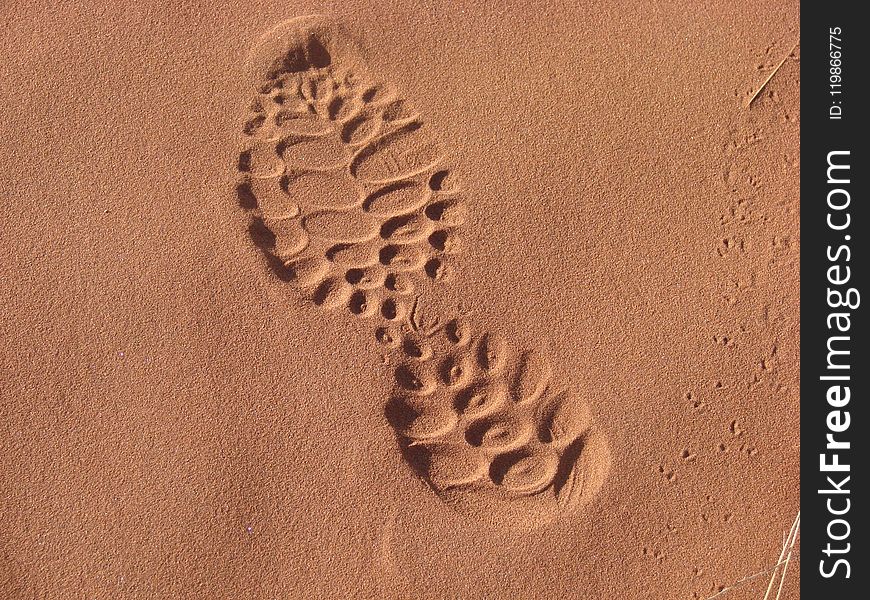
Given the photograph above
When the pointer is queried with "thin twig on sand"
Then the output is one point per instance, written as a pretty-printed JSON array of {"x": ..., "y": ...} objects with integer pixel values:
[
  {"x": 784, "y": 559},
  {"x": 786, "y": 552},
  {"x": 769, "y": 77}
]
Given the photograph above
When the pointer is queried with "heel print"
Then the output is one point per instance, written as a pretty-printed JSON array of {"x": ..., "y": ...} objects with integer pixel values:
[{"x": 489, "y": 428}]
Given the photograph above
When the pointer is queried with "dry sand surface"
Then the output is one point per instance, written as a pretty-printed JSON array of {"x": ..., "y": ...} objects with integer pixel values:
[{"x": 408, "y": 299}]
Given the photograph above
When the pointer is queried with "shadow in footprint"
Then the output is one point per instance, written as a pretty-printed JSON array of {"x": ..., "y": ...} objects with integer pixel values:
[
  {"x": 264, "y": 238},
  {"x": 298, "y": 59},
  {"x": 567, "y": 463},
  {"x": 401, "y": 416},
  {"x": 281, "y": 271},
  {"x": 247, "y": 199},
  {"x": 407, "y": 379},
  {"x": 503, "y": 463},
  {"x": 392, "y": 225}
]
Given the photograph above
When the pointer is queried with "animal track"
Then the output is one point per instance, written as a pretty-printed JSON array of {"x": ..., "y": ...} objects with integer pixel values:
[{"x": 351, "y": 203}]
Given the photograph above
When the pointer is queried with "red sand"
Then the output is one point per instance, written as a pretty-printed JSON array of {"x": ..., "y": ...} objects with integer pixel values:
[{"x": 412, "y": 300}]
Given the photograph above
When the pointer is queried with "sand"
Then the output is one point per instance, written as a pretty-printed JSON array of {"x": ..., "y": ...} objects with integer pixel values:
[{"x": 400, "y": 300}]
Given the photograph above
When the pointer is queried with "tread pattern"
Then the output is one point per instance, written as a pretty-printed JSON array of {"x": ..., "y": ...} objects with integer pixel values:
[
  {"x": 349, "y": 198},
  {"x": 476, "y": 418},
  {"x": 346, "y": 191}
]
